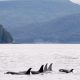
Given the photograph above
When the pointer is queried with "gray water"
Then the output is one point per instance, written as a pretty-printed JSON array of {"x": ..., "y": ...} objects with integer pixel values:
[{"x": 20, "y": 57}]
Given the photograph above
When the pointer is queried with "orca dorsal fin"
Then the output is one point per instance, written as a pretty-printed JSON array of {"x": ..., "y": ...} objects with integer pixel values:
[
  {"x": 41, "y": 69},
  {"x": 28, "y": 71},
  {"x": 45, "y": 68},
  {"x": 50, "y": 67},
  {"x": 71, "y": 70}
]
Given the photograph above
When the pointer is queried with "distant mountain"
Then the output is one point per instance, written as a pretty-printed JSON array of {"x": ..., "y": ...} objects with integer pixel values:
[
  {"x": 16, "y": 14},
  {"x": 5, "y": 36},
  {"x": 28, "y": 20},
  {"x": 62, "y": 30}
]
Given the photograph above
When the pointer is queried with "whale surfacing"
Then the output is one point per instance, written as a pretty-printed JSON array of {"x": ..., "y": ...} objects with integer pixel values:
[
  {"x": 45, "y": 68},
  {"x": 65, "y": 70},
  {"x": 20, "y": 73},
  {"x": 39, "y": 71},
  {"x": 48, "y": 69}
]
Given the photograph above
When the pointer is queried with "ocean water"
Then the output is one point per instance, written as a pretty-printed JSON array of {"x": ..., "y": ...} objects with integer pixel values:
[{"x": 20, "y": 57}]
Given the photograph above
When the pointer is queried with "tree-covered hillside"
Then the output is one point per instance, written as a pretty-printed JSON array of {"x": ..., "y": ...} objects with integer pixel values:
[{"x": 5, "y": 36}]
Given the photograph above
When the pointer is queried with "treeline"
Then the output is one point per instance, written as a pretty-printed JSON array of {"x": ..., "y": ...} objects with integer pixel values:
[{"x": 5, "y": 36}]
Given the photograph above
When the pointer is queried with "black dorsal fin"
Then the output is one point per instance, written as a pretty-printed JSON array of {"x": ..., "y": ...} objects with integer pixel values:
[
  {"x": 28, "y": 71},
  {"x": 71, "y": 70},
  {"x": 41, "y": 69},
  {"x": 50, "y": 67},
  {"x": 45, "y": 68}
]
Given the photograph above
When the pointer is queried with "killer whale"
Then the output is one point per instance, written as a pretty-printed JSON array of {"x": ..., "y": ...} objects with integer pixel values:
[
  {"x": 45, "y": 67},
  {"x": 48, "y": 69},
  {"x": 20, "y": 73},
  {"x": 65, "y": 70},
  {"x": 39, "y": 71}
]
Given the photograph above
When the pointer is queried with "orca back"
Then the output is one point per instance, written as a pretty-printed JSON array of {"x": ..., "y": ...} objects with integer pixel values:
[
  {"x": 66, "y": 71},
  {"x": 12, "y": 73}
]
